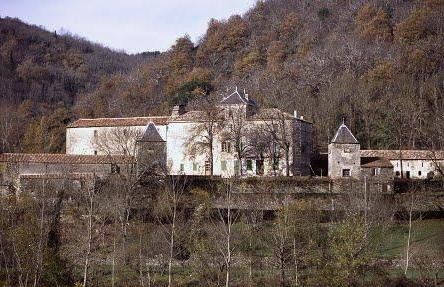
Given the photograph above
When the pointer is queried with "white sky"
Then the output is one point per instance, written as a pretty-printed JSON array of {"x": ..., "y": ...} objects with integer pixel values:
[{"x": 131, "y": 25}]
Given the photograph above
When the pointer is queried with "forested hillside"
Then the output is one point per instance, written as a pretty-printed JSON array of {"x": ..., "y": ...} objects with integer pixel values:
[
  {"x": 379, "y": 64},
  {"x": 42, "y": 75}
]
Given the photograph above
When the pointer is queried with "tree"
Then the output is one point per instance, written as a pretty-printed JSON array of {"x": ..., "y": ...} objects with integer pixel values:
[
  {"x": 279, "y": 126},
  {"x": 205, "y": 132},
  {"x": 169, "y": 206}
]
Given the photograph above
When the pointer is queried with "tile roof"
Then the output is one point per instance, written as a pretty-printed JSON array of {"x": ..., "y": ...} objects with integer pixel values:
[
  {"x": 71, "y": 175},
  {"x": 118, "y": 122},
  {"x": 151, "y": 134},
  {"x": 65, "y": 158},
  {"x": 368, "y": 162},
  {"x": 344, "y": 136},
  {"x": 194, "y": 116},
  {"x": 404, "y": 154},
  {"x": 270, "y": 114}
]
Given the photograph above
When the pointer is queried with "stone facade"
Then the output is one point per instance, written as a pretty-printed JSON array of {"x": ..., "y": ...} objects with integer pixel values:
[
  {"x": 19, "y": 167},
  {"x": 344, "y": 155}
]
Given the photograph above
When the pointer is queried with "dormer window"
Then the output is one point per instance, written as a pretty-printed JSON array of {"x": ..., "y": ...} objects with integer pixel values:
[
  {"x": 347, "y": 150},
  {"x": 226, "y": 146}
]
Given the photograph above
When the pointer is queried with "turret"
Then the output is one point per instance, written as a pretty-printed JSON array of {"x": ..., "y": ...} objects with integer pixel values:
[
  {"x": 151, "y": 152},
  {"x": 344, "y": 155}
]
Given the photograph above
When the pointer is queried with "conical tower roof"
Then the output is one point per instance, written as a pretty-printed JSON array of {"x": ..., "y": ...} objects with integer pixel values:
[
  {"x": 151, "y": 134},
  {"x": 344, "y": 136}
]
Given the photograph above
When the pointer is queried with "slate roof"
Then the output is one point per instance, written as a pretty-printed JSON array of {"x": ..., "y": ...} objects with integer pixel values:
[
  {"x": 344, "y": 136},
  {"x": 65, "y": 158},
  {"x": 151, "y": 134},
  {"x": 404, "y": 154},
  {"x": 237, "y": 98},
  {"x": 371, "y": 162},
  {"x": 118, "y": 122}
]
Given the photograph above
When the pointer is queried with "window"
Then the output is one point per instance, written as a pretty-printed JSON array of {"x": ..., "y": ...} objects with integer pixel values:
[
  {"x": 95, "y": 152},
  {"x": 422, "y": 164},
  {"x": 207, "y": 167},
  {"x": 223, "y": 165},
  {"x": 249, "y": 164},
  {"x": 194, "y": 166},
  {"x": 226, "y": 146},
  {"x": 407, "y": 174},
  {"x": 346, "y": 173},
  {"x": 276, "y": 163},
  {"x": 347, "y": 150},
  {"x": 376, "y": 171},
  {"x": 259, "y": 167},
  {"x": 182, "y": 167},
  {"x": 115, "y": 168},
  {"x": 397, "y": 173},
  {"x": 419, "y": 173},
  {"x": 236, "y": 167},
  {"x": 95, "y": 134}
]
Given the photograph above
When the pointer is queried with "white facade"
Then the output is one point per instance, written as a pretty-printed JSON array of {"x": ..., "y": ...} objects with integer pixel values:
[
  {"x": 180, "y": 160},
  {"x": 239, "y": 122},
  {"x": 416, "y": 168},
  {"x": 87, "y": 140}
]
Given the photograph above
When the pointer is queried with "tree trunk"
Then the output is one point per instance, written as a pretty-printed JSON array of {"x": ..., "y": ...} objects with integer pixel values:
[
  {"x": 409, "y": 236},
  {"x": 287, "y": 161},
  {"x": 227, "y": 280},
  {"x": 88, "y": 252},
  {"x": 170, "y": 261},
  {"x": 295, "y": 262}
]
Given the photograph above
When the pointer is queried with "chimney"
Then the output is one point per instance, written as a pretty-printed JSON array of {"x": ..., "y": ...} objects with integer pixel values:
[
  {"x": 245, "y": 95},
  {"x": 178, "y": 110},
  {"x": 302, "y": 117},
  {"x": 295, "y": 114}
]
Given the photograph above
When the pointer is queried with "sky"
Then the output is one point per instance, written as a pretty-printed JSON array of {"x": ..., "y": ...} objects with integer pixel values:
[{"x": 130, "y": 25}]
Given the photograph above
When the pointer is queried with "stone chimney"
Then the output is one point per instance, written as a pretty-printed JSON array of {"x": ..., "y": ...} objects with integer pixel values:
[
  {"x": 295, "y": 114},
  {"x": 178, "y": 110}
]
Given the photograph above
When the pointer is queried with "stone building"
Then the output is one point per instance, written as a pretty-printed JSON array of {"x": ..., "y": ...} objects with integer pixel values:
[
  {"x": 344, "y": 155},
  {"x": 346, "y": 159},
  {"x": 17, "y": 168},
  {"x": 233, "y": 137},
  {"x": 415, "y": 164}
]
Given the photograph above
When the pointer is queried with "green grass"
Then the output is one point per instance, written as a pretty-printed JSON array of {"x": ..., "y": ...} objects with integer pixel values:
[{"x": 427, "y": 234}]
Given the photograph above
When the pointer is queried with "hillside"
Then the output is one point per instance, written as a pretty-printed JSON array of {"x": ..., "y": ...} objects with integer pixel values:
[
  {"x": 42, "y": 75},
  {"x": 378, "y": 64}
]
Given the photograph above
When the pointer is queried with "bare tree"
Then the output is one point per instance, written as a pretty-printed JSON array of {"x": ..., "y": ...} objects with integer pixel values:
[
  {"x": 279, "y": 126},
  {"x": 237, "y": 132},
  {"x": 168, "y": 209},
  {"x": 117, "y": 141},
  {"x": 204, "y": 133}
]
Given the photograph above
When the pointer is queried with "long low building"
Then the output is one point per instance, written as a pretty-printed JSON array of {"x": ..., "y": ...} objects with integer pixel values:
[
  {"x": 16, "y": 167},
  {"x": 420, "y": 164},
  {"x": 346, "y": 159}
]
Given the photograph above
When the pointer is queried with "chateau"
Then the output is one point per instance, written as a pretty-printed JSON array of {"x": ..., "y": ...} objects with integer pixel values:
[{"x": 234, "y": 137}]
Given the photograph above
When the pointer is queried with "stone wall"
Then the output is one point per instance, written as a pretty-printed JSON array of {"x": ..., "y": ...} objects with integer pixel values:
[
  {"x": 302, "y": 147},
  {"x": 344, "y": 157}
]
